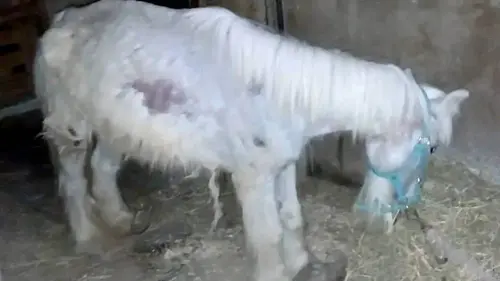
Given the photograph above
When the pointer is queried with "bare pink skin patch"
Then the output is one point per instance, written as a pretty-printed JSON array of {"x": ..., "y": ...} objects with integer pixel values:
[{"x": 159, "y": 95}]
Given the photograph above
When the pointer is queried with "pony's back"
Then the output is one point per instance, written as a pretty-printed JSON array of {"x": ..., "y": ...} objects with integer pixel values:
[{"x": 138, "y": 82}]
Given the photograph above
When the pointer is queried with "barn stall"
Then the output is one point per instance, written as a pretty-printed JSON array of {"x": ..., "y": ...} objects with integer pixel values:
[{"x": 448, "y": 44}]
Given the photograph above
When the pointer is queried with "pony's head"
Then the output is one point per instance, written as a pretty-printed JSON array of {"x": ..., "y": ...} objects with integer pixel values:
[{"x": 397, "y": 160}]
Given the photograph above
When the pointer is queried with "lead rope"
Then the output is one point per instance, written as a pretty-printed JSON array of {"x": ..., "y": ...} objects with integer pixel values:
[
  {"x": 444, "y": 251},
  {"x": 411, "y": 214}
]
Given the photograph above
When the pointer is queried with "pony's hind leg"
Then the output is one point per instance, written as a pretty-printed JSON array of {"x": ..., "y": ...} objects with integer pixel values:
[
  {"x": 69, "y": 156},
  {"x": 299, "y": 262},
  {"x": 112, "y": 209},
  {"x": 262, "y": 226}
]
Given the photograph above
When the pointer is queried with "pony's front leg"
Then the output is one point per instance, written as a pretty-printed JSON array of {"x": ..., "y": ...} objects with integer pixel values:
[
  {"x": 105, "y": 165},
  {"x": 299, "y": 262},
  {"x": 262, "y": 225},
  {"x": 294, "y": 252}
]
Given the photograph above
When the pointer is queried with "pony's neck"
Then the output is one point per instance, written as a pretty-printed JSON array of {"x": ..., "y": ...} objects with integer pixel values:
[{"x": 331, "y": 90}]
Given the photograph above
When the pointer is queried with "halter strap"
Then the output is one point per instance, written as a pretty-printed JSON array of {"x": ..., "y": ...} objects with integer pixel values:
[{"x": 421, "y": 153}]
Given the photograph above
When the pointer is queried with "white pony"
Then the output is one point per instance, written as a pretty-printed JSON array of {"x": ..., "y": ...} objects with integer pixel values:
[
  {"x": 401, "y": 121},
  {"x": 99, "y": 74},
  {"x": 329, "y": 91}
]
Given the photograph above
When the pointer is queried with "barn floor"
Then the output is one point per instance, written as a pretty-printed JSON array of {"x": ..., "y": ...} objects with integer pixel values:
[{"x": 34, "y": 243}]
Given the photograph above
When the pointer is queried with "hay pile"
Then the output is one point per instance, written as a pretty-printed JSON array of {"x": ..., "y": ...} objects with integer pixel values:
[{"x": 457, "y": 203}]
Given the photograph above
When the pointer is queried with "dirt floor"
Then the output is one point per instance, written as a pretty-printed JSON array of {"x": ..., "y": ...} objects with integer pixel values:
[
  {"x": 35, "y": 244},
  {"x": 34, "y": 239}
]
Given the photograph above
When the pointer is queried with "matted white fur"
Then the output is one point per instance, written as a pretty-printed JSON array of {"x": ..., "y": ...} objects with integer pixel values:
[
  {"x": 95, "y": 72},
  {"x": 332, "y": 90},
  {"x": 323, "y": 90}
]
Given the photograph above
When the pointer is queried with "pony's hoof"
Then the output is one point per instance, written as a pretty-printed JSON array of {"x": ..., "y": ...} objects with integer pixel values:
[
  {"x": 142, "y": 220},
  {"x": 319, "y": 271}
]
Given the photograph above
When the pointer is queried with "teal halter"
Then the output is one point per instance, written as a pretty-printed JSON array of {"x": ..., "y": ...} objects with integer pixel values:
[{"x": 412, "y": 171}]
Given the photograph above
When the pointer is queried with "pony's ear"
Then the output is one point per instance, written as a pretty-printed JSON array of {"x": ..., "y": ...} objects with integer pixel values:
[
  {"x": 450, "y": 105},
  {"x": 446, "y": 109}
]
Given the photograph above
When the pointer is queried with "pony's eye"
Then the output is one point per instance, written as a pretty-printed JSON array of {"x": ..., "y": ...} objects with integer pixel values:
[{"x": 433, "y": 149}]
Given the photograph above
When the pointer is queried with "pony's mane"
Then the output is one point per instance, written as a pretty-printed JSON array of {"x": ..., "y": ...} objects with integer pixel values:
[{"x": 319, "y": 83}]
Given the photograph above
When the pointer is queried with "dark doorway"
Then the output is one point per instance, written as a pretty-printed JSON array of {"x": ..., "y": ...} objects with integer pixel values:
[{"x": 174, "y": 4}]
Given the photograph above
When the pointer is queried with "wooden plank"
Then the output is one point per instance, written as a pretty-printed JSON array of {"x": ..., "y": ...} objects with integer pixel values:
[
  {"x": 15, "y": 83},
  {"x": 19, "y": 26},
  {"x": 9, "y": 60},
  {"x": 15, "y": 88},
  {"x": 20, "y": 11},
  {"x": 7, "y": 36}
]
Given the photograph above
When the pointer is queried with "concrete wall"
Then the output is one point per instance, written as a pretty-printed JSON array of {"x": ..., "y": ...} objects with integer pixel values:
[
  {"x": 54, "y": 6},
  {"x": 448, "y": 43}
]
